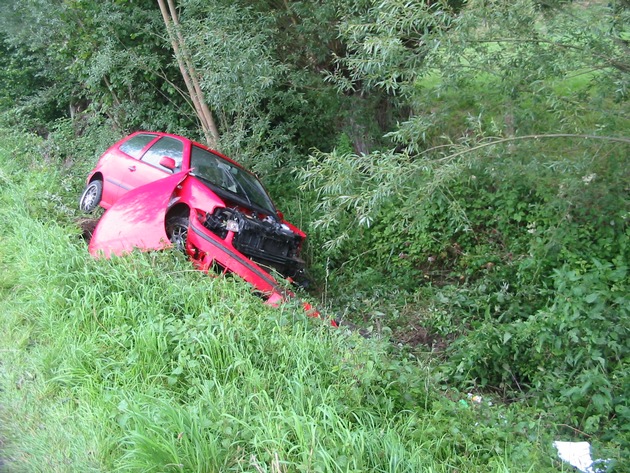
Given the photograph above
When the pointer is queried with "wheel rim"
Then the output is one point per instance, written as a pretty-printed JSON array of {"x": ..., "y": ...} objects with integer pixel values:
[
  {"x": 179, "y": 233},
  {"x": 89, "y": 198}
]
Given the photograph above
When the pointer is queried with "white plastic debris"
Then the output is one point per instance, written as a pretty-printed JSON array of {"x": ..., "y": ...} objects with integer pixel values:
[{"x": 578, "y": 454}]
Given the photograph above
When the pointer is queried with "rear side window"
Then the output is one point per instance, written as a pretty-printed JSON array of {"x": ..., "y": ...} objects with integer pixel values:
[
  {"x": 134, "y": 146},
  {"x": 165, "y": 146}
]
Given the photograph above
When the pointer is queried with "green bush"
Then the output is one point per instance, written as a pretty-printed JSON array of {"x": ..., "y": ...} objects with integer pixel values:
[{"x": 142, "y": 363}]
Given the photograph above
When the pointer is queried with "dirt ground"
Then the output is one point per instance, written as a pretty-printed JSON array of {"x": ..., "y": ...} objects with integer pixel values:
[{"x": 87, "y": 226}]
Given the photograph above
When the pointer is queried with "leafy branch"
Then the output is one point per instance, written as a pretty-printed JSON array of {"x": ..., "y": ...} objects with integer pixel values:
[{"x": 617, "y": 139}]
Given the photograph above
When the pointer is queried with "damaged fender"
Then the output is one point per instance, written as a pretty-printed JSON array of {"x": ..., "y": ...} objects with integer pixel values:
[{"x": 136, "y": 220}]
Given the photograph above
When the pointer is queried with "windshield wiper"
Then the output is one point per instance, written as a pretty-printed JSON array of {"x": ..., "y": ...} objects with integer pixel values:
[{"x": 238, "y": 185}]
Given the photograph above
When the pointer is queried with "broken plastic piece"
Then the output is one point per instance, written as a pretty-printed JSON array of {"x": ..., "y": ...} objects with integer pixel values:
[{"x": 578, "y": 454}]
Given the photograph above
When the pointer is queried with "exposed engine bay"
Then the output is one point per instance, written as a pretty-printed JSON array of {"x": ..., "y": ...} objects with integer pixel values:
[{"x": 264, "y": 240}]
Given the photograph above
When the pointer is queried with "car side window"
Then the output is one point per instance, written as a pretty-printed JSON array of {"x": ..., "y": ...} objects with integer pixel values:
[
  {"x": 134, "y": 146},
  {"x": 165, "y": 146}
]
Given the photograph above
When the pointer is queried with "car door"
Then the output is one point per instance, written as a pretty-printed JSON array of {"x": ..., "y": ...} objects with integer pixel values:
[
  {"x": 114, "y": 165},
  {"x": 148, "y": 168}
]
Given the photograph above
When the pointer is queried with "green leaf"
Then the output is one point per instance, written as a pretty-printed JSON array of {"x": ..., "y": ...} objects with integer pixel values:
[{"x": 591, "y": 298}]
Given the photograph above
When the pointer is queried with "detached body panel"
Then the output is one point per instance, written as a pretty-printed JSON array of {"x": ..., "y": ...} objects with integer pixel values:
[{"x": 136, "y": 220}]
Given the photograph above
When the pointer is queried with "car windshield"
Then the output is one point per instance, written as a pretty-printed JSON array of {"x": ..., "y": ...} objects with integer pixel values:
[{"x": 225, "y": 175}]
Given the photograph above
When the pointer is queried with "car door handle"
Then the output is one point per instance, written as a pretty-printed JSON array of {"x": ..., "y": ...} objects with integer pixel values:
[{"x": 132, "y": 168}]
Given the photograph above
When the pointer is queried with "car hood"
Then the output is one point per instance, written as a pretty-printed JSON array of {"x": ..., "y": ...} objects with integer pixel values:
[{"x": 136, "y": 220}]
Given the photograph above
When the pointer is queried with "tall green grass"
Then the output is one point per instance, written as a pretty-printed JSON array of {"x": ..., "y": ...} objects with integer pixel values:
[{"x": 143, "y": 364}]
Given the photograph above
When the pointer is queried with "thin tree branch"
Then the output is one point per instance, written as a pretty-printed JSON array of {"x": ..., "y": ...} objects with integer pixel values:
[
  {"x": 189, "y": 74},
  {"x": 610, "y": 62},
  {"x": 207, "y": 115},
  {"x": 616, "y": 139}
]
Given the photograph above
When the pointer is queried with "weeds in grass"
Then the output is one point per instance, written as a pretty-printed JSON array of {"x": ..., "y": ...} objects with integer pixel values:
[{"x": 141, "y": 364}]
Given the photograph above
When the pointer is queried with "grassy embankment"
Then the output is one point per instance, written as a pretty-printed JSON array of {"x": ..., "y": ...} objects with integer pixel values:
[{"x": 142, "y": 364}]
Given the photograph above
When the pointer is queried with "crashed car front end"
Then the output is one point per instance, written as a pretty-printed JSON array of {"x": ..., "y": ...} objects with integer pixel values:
[
  {"x": 267, "y": 241},
  {"x": 221, "y": 235},
  {"x": 211, "y": 252},
  {"x": 253, "y": 246}
]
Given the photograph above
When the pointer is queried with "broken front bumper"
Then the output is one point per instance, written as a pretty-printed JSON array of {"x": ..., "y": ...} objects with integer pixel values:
[{"x": 209, "y": 250}]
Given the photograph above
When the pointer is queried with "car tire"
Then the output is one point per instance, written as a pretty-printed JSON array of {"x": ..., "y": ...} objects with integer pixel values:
[
  {"x": 91, "y": 196},
  {"x": 177, "y": 231}
]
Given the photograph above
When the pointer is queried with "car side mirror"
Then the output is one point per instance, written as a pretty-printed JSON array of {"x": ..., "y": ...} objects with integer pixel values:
[{"x": 168, "y": 163}]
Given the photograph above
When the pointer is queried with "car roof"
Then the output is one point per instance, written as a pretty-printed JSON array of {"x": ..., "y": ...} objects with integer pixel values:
[{"x": 192, "y": 142}]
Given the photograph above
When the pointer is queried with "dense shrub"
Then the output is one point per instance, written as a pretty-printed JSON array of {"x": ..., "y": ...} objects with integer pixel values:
[{"x": 142, "y": 363}]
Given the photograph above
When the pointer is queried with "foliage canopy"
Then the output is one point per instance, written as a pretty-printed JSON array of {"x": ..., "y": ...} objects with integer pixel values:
[{"x": 462, "y": 167}]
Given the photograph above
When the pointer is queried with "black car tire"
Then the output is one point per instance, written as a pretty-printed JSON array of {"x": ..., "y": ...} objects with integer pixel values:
[
  {"x": 177, "y": 231},
  {"x": 91, "y": 196}
]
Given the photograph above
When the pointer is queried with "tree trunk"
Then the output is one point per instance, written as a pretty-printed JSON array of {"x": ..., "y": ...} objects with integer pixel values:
[{"x": 189, "y": 74}]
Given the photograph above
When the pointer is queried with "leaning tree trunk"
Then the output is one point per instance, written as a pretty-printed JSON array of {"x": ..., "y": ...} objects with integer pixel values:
[{"x": 189, "y": 73}]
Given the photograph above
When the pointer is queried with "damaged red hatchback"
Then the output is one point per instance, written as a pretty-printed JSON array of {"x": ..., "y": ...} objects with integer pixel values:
[{"x": 162, "y": 190}]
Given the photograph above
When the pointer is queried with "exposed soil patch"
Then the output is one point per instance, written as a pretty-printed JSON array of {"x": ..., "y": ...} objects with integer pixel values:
[
  {"x": 87, "y": 226},
  {"x": 414, "y": 335}
]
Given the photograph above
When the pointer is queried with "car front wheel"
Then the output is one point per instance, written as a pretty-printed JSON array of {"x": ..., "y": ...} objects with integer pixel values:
[
  {"x": 91, "y": 196},
  {"x": 177, "y": 231}
]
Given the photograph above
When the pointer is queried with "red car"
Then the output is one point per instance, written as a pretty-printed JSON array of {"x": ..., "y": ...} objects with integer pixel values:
[{"x": 162, "y": 190}]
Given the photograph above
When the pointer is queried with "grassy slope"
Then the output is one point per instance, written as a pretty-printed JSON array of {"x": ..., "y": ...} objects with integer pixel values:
[{"x": 141, "y": 364}]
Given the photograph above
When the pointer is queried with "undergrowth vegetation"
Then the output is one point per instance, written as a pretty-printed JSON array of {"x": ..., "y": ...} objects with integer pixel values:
[
  {"x": 519, "y": 267},
  {"x": 143, "y": 364},
  {"x": 461, "y": 170},
  {"x": 494, "y": 229}
]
